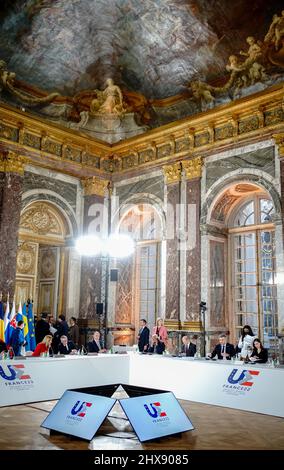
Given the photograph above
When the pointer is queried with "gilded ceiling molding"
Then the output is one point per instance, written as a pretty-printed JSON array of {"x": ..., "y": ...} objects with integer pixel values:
[
  {"x": 95, "y": 186},
  {"x": 192, "y": 168},
  {"x": 10, "y": 162},
  {"x": 172, "y": 173}
]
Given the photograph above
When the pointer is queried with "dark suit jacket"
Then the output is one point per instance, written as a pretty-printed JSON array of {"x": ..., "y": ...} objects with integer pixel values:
[
  {"x": 41, "y": 330},
  {"x": 93, "y": 347},
  {"x": 3, "y": 346},
  {"x": 144, "y": 339},
  {"x": 190, "y": 351},
  {"x": 229, "y": 350},
  {"x": 158, "y": 349},
  {"x": 63, "y": 350},
  {"x": 262, "y": 356}
]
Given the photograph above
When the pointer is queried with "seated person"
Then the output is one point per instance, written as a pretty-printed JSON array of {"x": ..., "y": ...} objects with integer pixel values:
[
  {"x": 96, "y": 346},
  {"x": 157, "y": 346},
  {"x": 66, "y": 347},
  {"x": 188, "y": 348},
  {"x": 259, "y": 353},
  {"x": 43, "y": 346},
  {"x": 223, "y": 350}
]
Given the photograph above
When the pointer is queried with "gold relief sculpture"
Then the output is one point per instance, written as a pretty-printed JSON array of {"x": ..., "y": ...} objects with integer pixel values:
[
  {"x": 95, "y": 185},
  {"x": 10, "y": 162},
  {"x": 40, "y": 220},
  {"x": 274, "y": 41},
  {"x": 172, "y": 173},
  {"x": 7, "y": 82},
  {"x": 279, "y": 139},
  {"x": 108, "y": 101},
  {"x": 26, "y": 257},
  {"x": 192, "y": 168}
]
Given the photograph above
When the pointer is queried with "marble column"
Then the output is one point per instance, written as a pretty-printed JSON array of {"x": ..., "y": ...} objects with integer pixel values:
[
  {"x": 11, "y": 183},
  {"x": 94, "y": 223},
  {"x": 192, "y": 172},
  {"x": 172, "y": 180}
]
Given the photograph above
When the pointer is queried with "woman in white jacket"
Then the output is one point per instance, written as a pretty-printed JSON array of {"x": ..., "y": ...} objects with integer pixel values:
[{"x": 245, "y": 343}]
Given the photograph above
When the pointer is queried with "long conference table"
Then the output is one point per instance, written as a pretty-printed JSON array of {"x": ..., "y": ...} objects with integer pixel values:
[{"x": 257, "y": 388}]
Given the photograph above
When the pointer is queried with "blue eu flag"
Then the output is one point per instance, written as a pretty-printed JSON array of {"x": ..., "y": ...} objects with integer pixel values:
[{"x": 31, "y": 325}]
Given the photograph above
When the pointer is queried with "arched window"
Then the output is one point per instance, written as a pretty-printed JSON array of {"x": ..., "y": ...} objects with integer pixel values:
[{"x": 252, "y": 243}]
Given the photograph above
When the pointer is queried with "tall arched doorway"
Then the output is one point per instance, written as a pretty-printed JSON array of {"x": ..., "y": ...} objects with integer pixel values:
[
  {"x": 242, "y": 259},
  {"x": 41, "y": 257},
  {"x": 139, "y": 290}
]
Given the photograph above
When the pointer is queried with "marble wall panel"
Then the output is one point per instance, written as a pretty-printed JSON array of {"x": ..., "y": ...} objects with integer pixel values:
[
  {"x": 262, "y": 159},
  {"x": 65, "y": 189},
  {"x": 217, "y": 284}
]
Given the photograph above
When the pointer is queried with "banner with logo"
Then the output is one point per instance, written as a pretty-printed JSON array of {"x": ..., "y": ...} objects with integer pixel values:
[
  {"x": 40, "y": 379},
  {"x": 246, "y": 387}
]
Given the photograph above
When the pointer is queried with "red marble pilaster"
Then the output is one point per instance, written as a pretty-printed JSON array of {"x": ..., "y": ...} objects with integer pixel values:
[
  {"x": 10, "y": 210},
  {"x": 173, "y": 254},
  {"x": 193, "y": 253}
]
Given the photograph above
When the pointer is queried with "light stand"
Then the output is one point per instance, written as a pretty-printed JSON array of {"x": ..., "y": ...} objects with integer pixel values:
[{"x": 203, "y": 309}]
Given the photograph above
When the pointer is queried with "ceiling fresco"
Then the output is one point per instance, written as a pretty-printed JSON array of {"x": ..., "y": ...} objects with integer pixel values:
[{"x": 151, "y": 47}]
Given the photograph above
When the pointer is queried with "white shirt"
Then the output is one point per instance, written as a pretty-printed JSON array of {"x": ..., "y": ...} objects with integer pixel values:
[{"x": 246, "y": 345}]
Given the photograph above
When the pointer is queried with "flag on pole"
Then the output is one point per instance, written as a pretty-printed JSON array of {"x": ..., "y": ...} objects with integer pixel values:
[
  {"x": 2, "y": 329},
  {"x": 12, "y": 325},
  {"x": 31, "y": 335},
  {"x": 25, "y": 319},
  {"x": 6, "y": 317}
]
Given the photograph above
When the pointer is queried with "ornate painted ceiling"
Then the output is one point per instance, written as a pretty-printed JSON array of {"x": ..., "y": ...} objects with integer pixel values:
[{"x": 153, "y": 47}]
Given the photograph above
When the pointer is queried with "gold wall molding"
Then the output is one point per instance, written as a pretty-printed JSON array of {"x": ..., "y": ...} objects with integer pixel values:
[
  {"x": 192, "y": 326},
  {"x": 172, "y": 173},
  {"x": 192, "y": 168},
  {"x": 66, "y": 150},
  {"x": 95, "y": 186},
  {"x": 172, "y": 324},
  {"x": 279, "y": 139},
  {"x": 10, "y": 162}
]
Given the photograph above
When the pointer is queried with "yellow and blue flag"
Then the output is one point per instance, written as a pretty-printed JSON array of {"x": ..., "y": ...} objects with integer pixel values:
[{"x": 2, "y": 328}]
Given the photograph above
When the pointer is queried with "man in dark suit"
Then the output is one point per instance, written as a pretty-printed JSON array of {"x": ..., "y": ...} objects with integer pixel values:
[
  {"x": 223, "y": 350},
  {"x": 157, "y": 347},
  {"x": 188, "y": 348},
  {"x": 143, "y": 337},
  {"x": 96, "y": 346},
  {"x": 66, "y": 347},
  {"x": 41, "y": 328}
]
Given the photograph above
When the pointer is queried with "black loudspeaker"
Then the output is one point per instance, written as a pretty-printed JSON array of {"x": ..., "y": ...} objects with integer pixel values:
[
  {"x": 99, "y": 309},
  {"x": 114, "y": 275}
]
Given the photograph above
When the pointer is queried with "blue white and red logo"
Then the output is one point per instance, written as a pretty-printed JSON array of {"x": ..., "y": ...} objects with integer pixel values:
[
  {"x": 15, "y": 372},
  {"x": 240, "y": 381},
  {"x": 155, "y": 411},
  {"x": 80, "y": 408},
  {"x": 245, "y": 378}
]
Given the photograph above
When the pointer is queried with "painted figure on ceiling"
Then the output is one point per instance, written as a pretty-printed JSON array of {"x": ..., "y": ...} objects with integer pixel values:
[{"x": 109, "y": 101}]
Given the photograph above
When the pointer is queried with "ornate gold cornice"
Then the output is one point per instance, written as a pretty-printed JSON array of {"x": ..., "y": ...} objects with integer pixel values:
[
  {"x": 48, "y": 145},
  {"x": 10, "y": 162},
  {"x": 95, "y": 186},
  {"x": 192, "y": 168},
  {"x": 172, "y": 173},
  {"x": 279, "y": 139}
]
